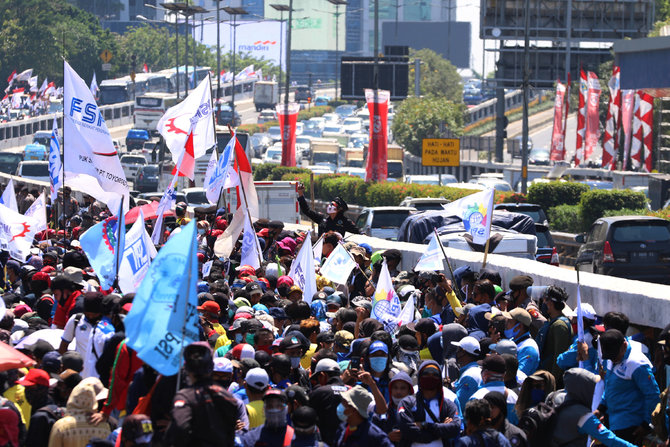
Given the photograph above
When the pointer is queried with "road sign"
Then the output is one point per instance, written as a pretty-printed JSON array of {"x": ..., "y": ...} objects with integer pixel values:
[
  {"x": 106, "y": 56},
  {"x": 441, "y": 152},
  {"x": 106, "y": 67}
]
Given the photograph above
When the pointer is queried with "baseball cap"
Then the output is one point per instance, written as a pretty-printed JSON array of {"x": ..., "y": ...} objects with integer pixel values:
[
  {"x": 520, "y": 282},
  {"x": 504, "y": 347},
  {"x": 243, "y": 351},
  {"x": 137, "y": 428},
  {"x": 289, "y": 342},
  {"x": 274, "y": 393},
  {"x": 494, "y": 363},
  {"x": 294, "y": 289},
  {"x": 361, "y": 301},
  {"x": 423, "y": 325},
  {"x": 278, "y": 313},
  {"x": 344, "y": 338},
  {"x": 51, "y": 362},
  {"x": 378, "y": 346},
  {"x": 222, "y": 364},
  {"x": 211, "y": 307},
  {"x": 325, "y": 337},
  {"x": 257, "y": 378},
  {"x": 284, "y": 281},
  {"x": 35, "y": 377},
  {"x": 40, "y": 348},
  {"x": 326, "y": 365},
  {"x": 469, "y": 345},
  {"x": 520, "y": 315}
]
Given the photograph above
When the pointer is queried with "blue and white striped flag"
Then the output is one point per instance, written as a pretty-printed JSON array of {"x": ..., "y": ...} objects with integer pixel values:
[{"x": 55, "y": 164}]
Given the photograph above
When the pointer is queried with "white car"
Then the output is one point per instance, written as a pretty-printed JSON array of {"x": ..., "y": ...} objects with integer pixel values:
[
  {"x": 356, "y": 172},
  {"x": 196, "y": 197},
  {"x": 131, "y": 164},
  {"x": 272, "y": 155},
  {"x": 432, "y": 179},
  {"x": 275, "y": 133},
  {"x": 352, "y": 125},
  {"x": 331, "y": 118},
  {"x": 488, "y": 182},
  {"x": 266, "y": 116},
  {"x": 299, "y": 128},
  {"x": 33, "y": 170},
  {"x": 319, "y": 121}
]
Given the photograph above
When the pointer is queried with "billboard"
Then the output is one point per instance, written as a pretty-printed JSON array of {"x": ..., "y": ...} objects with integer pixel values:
[
  {"x": 313, "y": 24},
  {"x": 261, "y": 39}
]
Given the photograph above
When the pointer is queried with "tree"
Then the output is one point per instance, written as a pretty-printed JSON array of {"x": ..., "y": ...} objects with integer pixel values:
[
  {"x": 419, "y": 118},
  {"x": 438, "y": 76}
]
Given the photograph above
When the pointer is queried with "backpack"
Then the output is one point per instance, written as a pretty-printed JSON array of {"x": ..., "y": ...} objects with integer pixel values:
[
  {"x": 538, "y": 423},
  {"x": 487, "y": 438},
  {"x": 53, "y": 413}
]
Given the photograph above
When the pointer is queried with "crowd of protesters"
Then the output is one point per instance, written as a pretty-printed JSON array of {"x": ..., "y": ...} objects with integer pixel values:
[{"x": 483, "y": 363}]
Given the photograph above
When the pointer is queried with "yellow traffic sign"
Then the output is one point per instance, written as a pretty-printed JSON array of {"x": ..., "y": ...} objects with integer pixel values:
[
  {"x": 441, "y": 152},
  {"x": 106, "y": 56}
]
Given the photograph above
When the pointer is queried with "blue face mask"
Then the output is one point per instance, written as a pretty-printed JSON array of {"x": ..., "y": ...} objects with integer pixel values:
[
  {"x": 250, "y": 339},
  {"x": 426, "y": 313},
  {"x": 238, "y": 338},
  {"x": 511, "y": 333},
  {"x": 340, "y": 413},
  {"x": 378, "y": 364}
]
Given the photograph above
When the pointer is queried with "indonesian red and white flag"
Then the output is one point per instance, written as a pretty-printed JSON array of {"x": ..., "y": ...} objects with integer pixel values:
[
  {"x": 32, "y": 82},
  {"x": 611, "y": 137},
  {"x": 557, "y": 142},
  {"x": 248, "y": 197},
  {"x": 145, "y": 68},
  {"x": 43, "y": 88},
  {"x": 11, "y": 77},
  {"x": 247, "y": 72},
  {"x": 592, "y": 133},
  {"x": 581, "y": 118},
  {"x": 186, "y": 165},
  {"x": 194, "y": 111},
  {"x": 24, "y": 75}
]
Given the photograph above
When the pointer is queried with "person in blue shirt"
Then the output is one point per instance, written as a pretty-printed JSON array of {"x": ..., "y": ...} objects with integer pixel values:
[
  {"x": 586, "y": 351},
  {"x": 631, "y": 392},
  {"x": 470, "y": 380},
  {"x": 517, "y": 329},
  {"x": 493, "y": 374},
  {"x": 478, "y": 431}
]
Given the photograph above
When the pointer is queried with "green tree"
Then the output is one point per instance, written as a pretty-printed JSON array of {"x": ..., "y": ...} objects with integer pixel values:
[
  {"x": 438, "y": 76},
  {"x": 419, "y": 118}
]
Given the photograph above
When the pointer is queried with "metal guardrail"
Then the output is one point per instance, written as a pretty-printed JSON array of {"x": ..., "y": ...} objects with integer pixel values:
[{"x": 488, "y": 108}]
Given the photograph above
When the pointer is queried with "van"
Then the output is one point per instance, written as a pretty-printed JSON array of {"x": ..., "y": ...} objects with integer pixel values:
[
  {"x": 34, "y": 170},
  {"x": 35, "y": 151}
]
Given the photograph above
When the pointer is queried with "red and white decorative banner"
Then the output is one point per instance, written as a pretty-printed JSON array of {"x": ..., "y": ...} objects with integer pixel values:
[
  {"x": 376, "y": 168},
  {"x": 636, "y": 140},
  {"x": 592, "y": 133},
  {"x": 287, "y": 123},
  {"x": 557, "y": 139},
  {"x": 627, "y": 109},
  {"x": 581, "y": 118},
  {"x": 647, "y": 118},
  {"x": 611, "y": 137}
]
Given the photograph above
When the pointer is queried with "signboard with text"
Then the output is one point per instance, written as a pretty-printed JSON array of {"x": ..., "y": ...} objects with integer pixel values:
[{"x": 441, "y": 152}]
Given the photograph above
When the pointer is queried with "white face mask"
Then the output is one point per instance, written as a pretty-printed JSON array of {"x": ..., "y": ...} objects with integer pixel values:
[{"x": 330, "y": 209}]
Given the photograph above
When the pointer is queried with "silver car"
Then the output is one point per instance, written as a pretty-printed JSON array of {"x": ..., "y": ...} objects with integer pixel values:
[{"x": 383, "y": 221}]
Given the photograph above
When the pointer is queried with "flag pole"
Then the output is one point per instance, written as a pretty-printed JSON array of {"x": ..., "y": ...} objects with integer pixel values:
[
  {"x": 486, "y": 251},
  {"x": 244, "y": 194},
  {"x": 183, "y": 327},
  {"x": 118, "y": 244},
  {"x": 446, "y": 258},
  {"x": 211, "y": 105}
]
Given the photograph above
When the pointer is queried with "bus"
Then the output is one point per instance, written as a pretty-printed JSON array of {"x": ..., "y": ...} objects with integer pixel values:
[
  {"x": 150, "y": 107},
  {"x": 113, "y": 91}
]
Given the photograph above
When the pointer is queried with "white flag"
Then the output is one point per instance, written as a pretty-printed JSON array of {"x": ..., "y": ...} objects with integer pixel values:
[
  {"x": 44, "y": 86},
  {"x": 206, "y": 268},
  {"x": 221, "y": 174},
  {"x": 38, "y": 211},
  {"x": 318, "y": 250},
  {"x": 175, "y": 124},
  {"x": 225, "y": 243},
  {"x": 251, "y": 249},
  {"x": 431, "y": 259},
  {"x": 94, "y": 86},
  {"x": 385, "y": 303},
  {"x": 16, "y": 233},
  {"x": 338, "y": 266},
  {"x": 476, "y": 211},
  {"x": 91, "y": 160},
  {"x": 407, "y": 313},
  {"x": 24, "y": 75},
  {"x": 580, "y": 321},
  {"x": 33, "y": 83},
  {"x": 55, "y": 164},
  {"x": 210, "y": 178},
  {"x": 136, "y": 257},
  {"x": 167, "y": 202},
  {"x": 302, "y": 270},
  {"x": 9, "y": 197}
]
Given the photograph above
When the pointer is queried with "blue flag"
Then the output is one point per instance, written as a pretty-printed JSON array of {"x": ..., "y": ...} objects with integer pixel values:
[
  {"x": 102, "y": 243},
  {"x": 164, "y": 318}
]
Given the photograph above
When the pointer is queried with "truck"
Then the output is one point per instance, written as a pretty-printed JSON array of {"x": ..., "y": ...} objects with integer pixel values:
[
  {"x": 326, "y": 151},
  {"x": 394, "y": 161},
  {"x": 354, "y": 157},
  {"x": 276, "y": 200},
  {"x": 266, "y": 95}
]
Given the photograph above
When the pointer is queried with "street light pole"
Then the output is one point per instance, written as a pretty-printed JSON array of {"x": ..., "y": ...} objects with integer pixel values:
[
  {"x": 282, "y": 8},
  {"x": 234, "y": 12},
  {"x": 337, "y": 4},
  {"x": 218, "y": 55},
  {"x": 288, "y": 55}
]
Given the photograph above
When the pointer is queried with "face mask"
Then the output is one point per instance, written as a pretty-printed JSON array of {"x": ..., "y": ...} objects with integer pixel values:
[
  {"x": 330, "y": 209},
  {"x": 340, "y": 413},
  {"x": 250, "y": 339},
  {"x": 201, "y": 231},
  {"x": 544, "y": 310},
  {"x": 275, "y": 418},
  {"x": 396, "y": 400},
  {"x": 429, "y": 383},
  {"x": 426, "y": 313},
  {"x": 307, "y": 431},
  {"x": 537, "y": 395},
  {"x": 238, "y": 338},
  {"x": 378, "y": 364},
  {"x": 511, "y": 333},
  {"x": 295, "y": 362}
]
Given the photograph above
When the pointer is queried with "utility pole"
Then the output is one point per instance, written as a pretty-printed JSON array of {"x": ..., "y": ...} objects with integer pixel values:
[
  {"x": 526, "y": 82},
  {"x": 288, "y": 56}
]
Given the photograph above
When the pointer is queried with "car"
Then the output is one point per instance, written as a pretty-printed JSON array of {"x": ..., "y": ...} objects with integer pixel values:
[
  {"x": 331, "y": 118},
  {"x": 312, "y": 129},
  {"x": 147, "y": 178},
  {"x": 35, "y": 151},
  {"x": 259, "y": 142},
  {"x": 424, "y": 203},
  {"x": 303, "y": 146},
  {"x": 322, "y": 168},
  {"x": 515, "y": 144},
  {"x": 332, "y": 129},
  {"x": 358, "y": 140},
  {"x": 535, "y": 212},
  {"x": 632, "y": 247},
  {"x": 117, "y": 146},
  {"x": 303, "y": 93},
  {"x": 196, "y": 197},
  {"x": 349, "y": 170},
  {"x": 318, "y": 121},
  {"x": 546, "y": 248},
  {"x": 225, "y": 117},
  {"x": 135, "y": 138},
  {"x": 267, "y": 116},
  {"x": 345, "y": 110},
  {"x": 383, "y": 221},
  {"x": 158, "y": 194},
  {"x": 34, "y": 170},
  {"x": 352, "y": 125},
  {"x": 9, "y": 161},
  {"x": 42, "y": 137},
  {"x": 598, "y": 184},
  {"x": 487, "y": 182},
  {"x": 432, "y": 179},
  {"x": 299, "y": 128},
  {"x": 275, "y": 133},
  {"x": 131, "y": 164},
  {"x": 273, "y": 155},
  {"x": 321, "y": 100},
  {"x": 539, "y": 156}
]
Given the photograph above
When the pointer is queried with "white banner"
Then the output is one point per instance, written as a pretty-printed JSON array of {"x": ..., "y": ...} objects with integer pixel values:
[
  {"x": 16, "y": 233},
  {"x": 175, "y": 124},
  {"x": 338, "y": 266},
  {"x": 91, "y": 161},
  {"x": 302, "y": 270},
  {"x": 431, "y": 259},
  {"x": 9, "y": 197},
  {"x": 38, "y": 211},
  {"x": 136, "y": 257}
]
